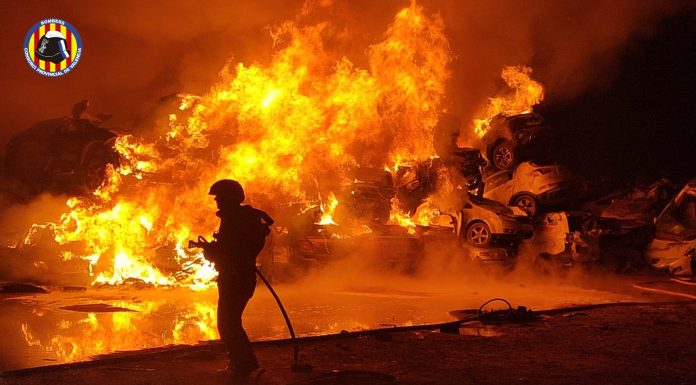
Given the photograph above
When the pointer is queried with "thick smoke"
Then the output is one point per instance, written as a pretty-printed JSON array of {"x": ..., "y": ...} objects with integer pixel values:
[{"x": 136, "y": 52}]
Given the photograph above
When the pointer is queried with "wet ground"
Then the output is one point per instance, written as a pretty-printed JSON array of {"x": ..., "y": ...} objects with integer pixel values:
[
  {"x": 647, "y": 344},
  {"x": 68, "y": 326}
]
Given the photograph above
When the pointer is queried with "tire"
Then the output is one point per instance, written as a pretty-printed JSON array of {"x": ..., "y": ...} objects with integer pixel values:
[
  {"x": 503, "y": 155},
  {"x": 526, "y": 203},
  {"x": 479, "y": 234},
  {"x": 94, "y": 173}
]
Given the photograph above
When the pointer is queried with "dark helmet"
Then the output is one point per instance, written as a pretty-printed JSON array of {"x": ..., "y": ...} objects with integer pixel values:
[
  {"x": 52, "y": 48},
  {"x": 228, "y": 188}
]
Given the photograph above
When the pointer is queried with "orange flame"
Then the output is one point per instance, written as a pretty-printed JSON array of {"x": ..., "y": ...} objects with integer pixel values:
[
  {"x": 527, "y": 93},
  {"x": 328, "y": 210},
  {"x": 279, "y": 129}
]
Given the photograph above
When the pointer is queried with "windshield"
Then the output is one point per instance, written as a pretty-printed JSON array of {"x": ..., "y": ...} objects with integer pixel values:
[{"x": 678, "y": 221}]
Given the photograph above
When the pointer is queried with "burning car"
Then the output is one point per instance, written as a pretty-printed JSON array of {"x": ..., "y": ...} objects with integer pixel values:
[
  {"x": 308, "y": 243},
  {"x": 530, "y": 186},
  {"x": 61, "y": 155},
  {"x": 483, "y": 222},
  {"x": 674, "y": 247},
  {"x": 510, "y": 139},
  {"x": 415, "y": 181},
  {"x": 367, "y": 198}
]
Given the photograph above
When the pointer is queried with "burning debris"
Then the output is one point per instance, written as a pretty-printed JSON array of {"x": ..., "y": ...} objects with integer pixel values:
[
  {"x": 348, "y": 159},
  {"x": 62, "y": 155},
  {"x": 288, "y": 131}
]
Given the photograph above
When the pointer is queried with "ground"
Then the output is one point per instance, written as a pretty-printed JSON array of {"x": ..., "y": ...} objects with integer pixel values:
[{"x": 646, "y": 344}]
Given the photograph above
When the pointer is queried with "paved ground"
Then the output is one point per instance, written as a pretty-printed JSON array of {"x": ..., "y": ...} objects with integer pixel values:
[{"x": 650, "y": 344}]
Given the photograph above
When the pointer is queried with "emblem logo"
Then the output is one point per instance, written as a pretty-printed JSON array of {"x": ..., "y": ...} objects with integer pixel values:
[{"x": 52, "y": 47}]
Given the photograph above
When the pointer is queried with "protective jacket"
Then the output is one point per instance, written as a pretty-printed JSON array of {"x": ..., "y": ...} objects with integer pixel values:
[{"x": 241, "y": 237}]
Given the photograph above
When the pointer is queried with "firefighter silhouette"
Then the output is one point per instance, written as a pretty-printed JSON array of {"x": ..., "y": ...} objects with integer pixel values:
[
  {"x": 52, "y": 47},
  {"x": 241, "y": 237}
]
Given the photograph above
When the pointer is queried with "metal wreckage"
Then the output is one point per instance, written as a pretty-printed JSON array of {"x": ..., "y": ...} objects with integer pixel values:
[{"x": 504, "y": 206}]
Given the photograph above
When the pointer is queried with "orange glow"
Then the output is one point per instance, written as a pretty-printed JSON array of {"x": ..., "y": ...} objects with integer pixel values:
[
  {"x": 288, "y": 131},
  {"x": 99, "y": 333},
  {"x": 527, "y": 93},
  {"x": 328, "y": 210},
  {"x": 425, "y": 215},
  {"x": 399, "y": 217}
]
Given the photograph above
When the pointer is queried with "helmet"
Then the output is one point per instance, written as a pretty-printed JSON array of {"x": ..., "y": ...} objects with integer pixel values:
[
  {"x": 52, "y": 48},
  {"x": 228, "y": 188}
]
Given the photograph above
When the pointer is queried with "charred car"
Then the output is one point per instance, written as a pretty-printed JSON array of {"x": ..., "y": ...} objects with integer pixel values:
[
  {"x": 641, "y": 203},
  {"x": 367, "y": 198},
  {"x": 567, "y": 238},
  {"x": 510, "y": 139},
  {"x": 531, "y": 186},
  {"x": 563, "y": 239},
  {"x": 61, "y": 155},
  {"x": 674, "y": 247},
  {"x": 308, "y": 243},
  {"x": 415, "y": 181}
]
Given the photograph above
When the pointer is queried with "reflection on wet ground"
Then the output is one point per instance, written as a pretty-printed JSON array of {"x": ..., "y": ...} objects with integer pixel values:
[
  {"x": 487, "y": 331},
  {"x": 59, "y": 327}
]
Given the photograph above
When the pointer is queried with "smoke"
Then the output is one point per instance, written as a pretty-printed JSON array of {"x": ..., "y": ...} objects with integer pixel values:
[
  {"x": 446, "y": 280},
  {"x": 29, "y": 253},
  {"x": 136, "y": 52}
]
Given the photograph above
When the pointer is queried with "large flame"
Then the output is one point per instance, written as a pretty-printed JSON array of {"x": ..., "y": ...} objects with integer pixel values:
[
  {"x": 288, "y": 131},
  {"x": 527, "y": 93}
]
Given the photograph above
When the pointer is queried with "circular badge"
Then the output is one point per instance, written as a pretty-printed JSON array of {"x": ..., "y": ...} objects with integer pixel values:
[{"x": 52, "y": 47}]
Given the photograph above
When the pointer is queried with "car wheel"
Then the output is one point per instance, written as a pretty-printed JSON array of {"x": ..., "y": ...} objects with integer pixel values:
[
  {"x": 479, "y": 234},
  {"x": 503, "y": 155},
  {"x": 526, "y": 203},
  {"x": 94, "y": 173}
]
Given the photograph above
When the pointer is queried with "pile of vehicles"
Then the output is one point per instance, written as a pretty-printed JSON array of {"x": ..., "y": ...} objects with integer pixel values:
[
  {"x": 504, "y": 204},
  {"x": 511, "y": 207}
]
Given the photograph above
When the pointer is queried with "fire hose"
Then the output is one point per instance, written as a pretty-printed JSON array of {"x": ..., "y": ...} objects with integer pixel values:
[
  {"x": 296, "y": 366},
  {"x": 201, "y": 242}
]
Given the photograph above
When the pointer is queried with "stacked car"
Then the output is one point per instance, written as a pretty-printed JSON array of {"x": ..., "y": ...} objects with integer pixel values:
[
  {"x": 615, "y": 229},
  {"x": 674, "y": 247},
  {"x": 62, "y": 155}
]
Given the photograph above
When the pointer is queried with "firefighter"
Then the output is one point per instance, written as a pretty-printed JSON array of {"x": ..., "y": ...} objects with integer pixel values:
[{"x": 240, "y": 238}]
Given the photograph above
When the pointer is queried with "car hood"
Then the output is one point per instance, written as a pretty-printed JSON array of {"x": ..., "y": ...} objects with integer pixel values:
[{"x": 493, "y": 206}]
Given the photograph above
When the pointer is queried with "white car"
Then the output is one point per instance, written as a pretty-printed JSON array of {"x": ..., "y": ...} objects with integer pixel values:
[
  {"x": 530, "y": 186},
  {"x": 674, "y": 247},
  {"x": 483, "y": 221}
]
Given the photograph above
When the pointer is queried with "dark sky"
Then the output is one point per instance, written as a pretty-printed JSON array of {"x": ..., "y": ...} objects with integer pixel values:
[
  {"x": 618, "y": 73},
  {"x": 642, "y": 123}
]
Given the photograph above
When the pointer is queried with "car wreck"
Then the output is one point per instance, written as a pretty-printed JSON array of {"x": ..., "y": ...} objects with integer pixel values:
[
  {"x": 562, "y": 239},
  {"x": 674, "y": 247},
  {"x": 533, "y": 187},
  {"x": 483, "y": 222},
  {"x": 62, "y": 155},
  {"x": 568, "y": 238},
  {"x": 513, "y": 138}
]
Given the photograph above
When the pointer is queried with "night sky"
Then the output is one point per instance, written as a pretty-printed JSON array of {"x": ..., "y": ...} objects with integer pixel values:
[
  {"x": 641, "y": 125},
  {"x": 619, "y": 74}
]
